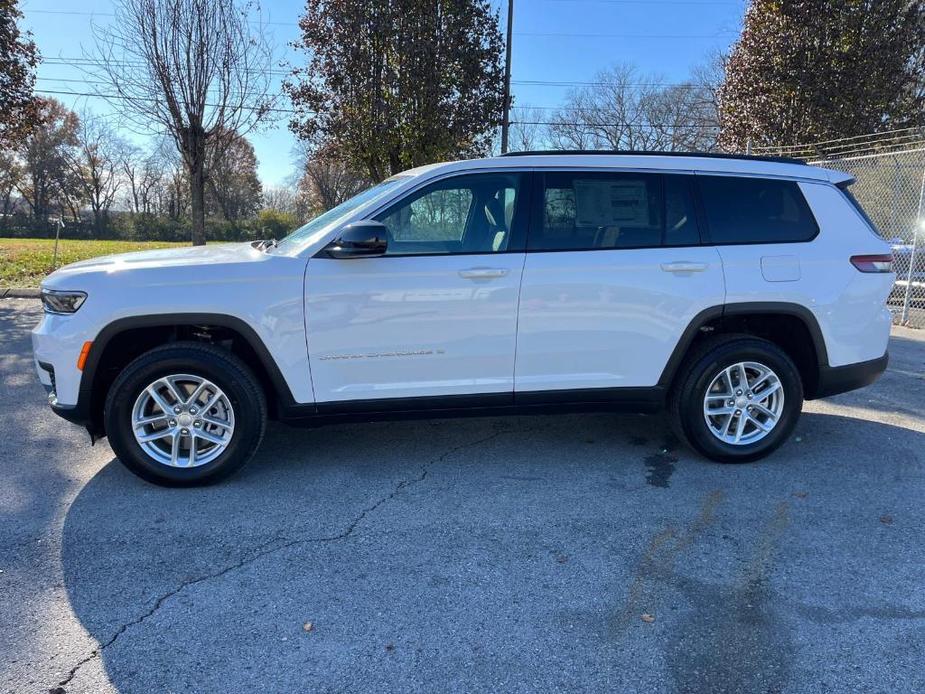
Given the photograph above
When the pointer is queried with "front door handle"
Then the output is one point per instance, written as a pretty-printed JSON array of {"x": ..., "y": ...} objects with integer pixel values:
[
  {"x": 482, "y": 273},
  {"x": 684, "y": 266}
]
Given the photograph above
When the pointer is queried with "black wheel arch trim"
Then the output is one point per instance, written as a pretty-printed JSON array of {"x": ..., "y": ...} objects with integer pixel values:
[
  {"x": 82, "y": 413},
  {"x": 703, "y": 318}
]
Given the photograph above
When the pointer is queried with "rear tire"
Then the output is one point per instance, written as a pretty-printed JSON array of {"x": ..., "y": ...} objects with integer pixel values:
[
  {"x": 714, "y": 409},
  {"x": 185, "y": 414}
]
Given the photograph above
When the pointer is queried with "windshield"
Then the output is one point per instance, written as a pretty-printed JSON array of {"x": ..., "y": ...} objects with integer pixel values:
[{"x": 309, "y": 232}]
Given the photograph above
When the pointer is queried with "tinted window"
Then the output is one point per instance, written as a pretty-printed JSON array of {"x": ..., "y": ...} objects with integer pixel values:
[
  {"x": 582, "y": 210},
  {"x": 857, "y": 205},
  {"x": 465, "y": 214},
  {"x": 755, "y": 210}
]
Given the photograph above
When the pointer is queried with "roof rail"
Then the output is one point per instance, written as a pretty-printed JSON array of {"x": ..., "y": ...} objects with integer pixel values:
[{"x": 650, "y": 153}]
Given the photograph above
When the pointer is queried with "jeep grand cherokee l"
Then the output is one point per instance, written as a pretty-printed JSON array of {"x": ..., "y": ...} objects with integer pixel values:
[{"x": 727, "y": 289}]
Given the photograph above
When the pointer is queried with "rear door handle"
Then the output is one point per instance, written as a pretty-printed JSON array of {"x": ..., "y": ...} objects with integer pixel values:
[
  {"x": 482, "y": 273},
  {"x": 684, "y": 266}
]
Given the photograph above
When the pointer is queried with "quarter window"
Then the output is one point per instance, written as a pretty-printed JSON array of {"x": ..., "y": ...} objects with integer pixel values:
[
  {"x": 591, "y": 210},
  {"x": 464, "y": 214},
  {"x": 755, "y": 210}
]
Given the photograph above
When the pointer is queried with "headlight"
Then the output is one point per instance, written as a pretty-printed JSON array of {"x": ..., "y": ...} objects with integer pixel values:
[{"x": 62, "y": 302}]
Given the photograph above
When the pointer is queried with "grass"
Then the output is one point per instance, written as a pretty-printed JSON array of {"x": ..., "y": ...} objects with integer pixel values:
[{"x": 25, "y": 262}]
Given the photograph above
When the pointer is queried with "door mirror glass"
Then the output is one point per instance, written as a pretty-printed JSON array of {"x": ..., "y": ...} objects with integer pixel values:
[{"x": 364, "y": 239}]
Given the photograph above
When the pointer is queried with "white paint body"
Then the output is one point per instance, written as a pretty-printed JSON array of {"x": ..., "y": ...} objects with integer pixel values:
[{"x": 397, "y": 327}]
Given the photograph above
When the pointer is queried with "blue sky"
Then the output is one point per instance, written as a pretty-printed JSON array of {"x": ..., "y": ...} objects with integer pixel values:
[{"x": 561, "y": 41}]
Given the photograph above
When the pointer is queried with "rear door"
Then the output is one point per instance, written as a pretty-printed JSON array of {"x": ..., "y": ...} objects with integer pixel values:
[
  {"x": 614, "y": 274},
  {"x": 435, "y": 316}
]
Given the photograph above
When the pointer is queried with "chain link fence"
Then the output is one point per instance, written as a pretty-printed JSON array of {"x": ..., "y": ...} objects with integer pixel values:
[{"x": 890, "y": 186}]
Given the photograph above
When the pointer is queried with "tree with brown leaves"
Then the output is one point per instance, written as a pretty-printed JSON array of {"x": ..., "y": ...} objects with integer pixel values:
[{"x": 47, "y": 184}]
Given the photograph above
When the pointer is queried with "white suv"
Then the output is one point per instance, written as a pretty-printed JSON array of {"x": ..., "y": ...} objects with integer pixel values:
[{"x": 728, "y": 289}]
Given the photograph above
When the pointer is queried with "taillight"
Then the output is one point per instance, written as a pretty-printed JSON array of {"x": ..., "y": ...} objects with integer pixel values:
[{"x": 873, "y": 263}]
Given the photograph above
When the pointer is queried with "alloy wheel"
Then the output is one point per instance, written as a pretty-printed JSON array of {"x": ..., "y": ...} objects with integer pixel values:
[
  {"x": 183, "y": 420},
  {"x": 743, "y": 403}
]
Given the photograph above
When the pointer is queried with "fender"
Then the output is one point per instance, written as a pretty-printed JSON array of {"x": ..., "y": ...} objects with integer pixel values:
[
  {"x": 713, "y": 313},
  {"x": 82, "y": 413}
]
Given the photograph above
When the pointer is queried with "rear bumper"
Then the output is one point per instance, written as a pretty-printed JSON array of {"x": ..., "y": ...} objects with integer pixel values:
[{"x": 841, "y": 379}]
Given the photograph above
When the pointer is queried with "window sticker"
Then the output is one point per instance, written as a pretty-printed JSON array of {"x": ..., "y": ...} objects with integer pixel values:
[{"x": 601, "y": 203}]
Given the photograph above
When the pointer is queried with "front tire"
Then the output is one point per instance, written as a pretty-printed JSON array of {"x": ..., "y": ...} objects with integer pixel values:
[
  {"x": 185, "y": 414},
  {"x": 738, "y": 398}
]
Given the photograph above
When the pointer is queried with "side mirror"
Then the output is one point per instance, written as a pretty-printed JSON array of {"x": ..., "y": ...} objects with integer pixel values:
[{"x": 364, "y": 239}]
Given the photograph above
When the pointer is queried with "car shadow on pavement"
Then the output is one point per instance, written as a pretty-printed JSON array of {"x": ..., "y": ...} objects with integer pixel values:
[{"x": 581, "y": 551}]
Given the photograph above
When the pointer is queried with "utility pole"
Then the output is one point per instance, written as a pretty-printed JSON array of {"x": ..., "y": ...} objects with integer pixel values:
[{"x": 506, "y": 123}]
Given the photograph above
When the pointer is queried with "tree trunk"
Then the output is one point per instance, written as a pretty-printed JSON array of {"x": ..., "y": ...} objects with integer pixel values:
[
  {"x": 197, "y": 198},
  {"x": 7, "y": 200},
  {"x": 195, "y": 141}
]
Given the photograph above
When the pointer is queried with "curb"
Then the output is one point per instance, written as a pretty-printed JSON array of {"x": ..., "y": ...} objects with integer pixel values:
[{"x": 24, "y": 293}]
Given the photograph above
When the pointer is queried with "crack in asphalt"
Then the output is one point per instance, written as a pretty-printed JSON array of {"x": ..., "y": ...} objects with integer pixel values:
[{"x": 275, "y": 544}]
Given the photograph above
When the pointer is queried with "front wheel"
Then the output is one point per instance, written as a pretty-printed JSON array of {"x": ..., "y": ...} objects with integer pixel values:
[
  {"x": 185, "y": 414},
  {"x": 739, "y": 399}
]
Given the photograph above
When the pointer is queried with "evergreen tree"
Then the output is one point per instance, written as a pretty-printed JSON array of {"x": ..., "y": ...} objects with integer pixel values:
[
  {"x": 392, "y": 84},
  {"x": 810, "y": 70}
]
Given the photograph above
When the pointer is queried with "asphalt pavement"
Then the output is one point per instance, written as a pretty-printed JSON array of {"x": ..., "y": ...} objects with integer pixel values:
[{"x": 569, "y": 553}]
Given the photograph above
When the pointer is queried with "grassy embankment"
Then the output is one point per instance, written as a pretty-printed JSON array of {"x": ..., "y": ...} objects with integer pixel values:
[{"x": 24, "y": 262}]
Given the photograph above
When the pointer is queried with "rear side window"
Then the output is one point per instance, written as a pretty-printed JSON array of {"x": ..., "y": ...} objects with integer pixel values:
[
  {"x": 843, "y": 187},
  {"x": 582, "y": 210},
  {"x": 755, "y": 210}
]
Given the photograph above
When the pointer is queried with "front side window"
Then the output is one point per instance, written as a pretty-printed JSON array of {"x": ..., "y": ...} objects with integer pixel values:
[
  {"x": 583, "y": 210},
  {"x": 316, "y": 227},
  {"x": 755, "y": 210},
  {"x": 465, "y": 214}
]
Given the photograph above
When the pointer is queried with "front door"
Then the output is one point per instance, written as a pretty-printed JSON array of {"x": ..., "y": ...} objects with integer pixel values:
[
  {"x": 614, "y": 274},
  {"x": 436, "y": 315}
]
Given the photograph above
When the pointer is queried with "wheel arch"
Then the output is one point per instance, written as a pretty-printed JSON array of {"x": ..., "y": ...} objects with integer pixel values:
[
  {"x": 792, "y": 327},
  {"x": 122, "y": 340}
]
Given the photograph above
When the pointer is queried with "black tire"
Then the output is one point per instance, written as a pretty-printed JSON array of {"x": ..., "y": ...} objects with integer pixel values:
[
  {"x": 694, "y": 378},
  {"x": 217, "y": 365}
]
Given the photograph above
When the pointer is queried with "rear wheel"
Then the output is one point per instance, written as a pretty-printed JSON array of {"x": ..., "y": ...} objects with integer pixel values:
[
  {"x": 185, "y": 414},
  {"x": 738, "y": 399}
]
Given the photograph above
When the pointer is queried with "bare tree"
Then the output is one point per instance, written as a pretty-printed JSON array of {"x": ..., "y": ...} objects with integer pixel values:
[
  {"x": 625, "y": 110},
  {"x": 282, "y": 198},
  {"x": 94, "y": 165},
  {"x": 142, "y": 174},
  {"x": 526, "y": 132},
  {"x": 192, "y": 68},
  {"x": 10, "y": 176},
  {"x": 326, "y": 183}
]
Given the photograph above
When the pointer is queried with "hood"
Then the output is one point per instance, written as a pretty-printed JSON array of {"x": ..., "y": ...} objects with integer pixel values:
[{"x": 161, "y": 259}]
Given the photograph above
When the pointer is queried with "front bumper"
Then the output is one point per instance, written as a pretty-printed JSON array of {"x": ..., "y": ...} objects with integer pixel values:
[
  {"x": 841, "y": 379},
  {"x": 56, "y": 344}
]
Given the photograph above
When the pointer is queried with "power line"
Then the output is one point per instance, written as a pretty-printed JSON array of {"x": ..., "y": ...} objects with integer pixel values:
[
  {"x": 587, "y": 126},
  {"x": 91, "y": 62},
  {"x": 120, "y": 97},
  {"x": 84, "y": 61},
  {"x": 652, "y": 3},
  {"x": 553, "y": 34},
  {"x": 676, "y": 126},
  {"x": 525, "y": 107},
  {"x": 579, "y": 83},
  {"x": 84, "y": 13}
]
